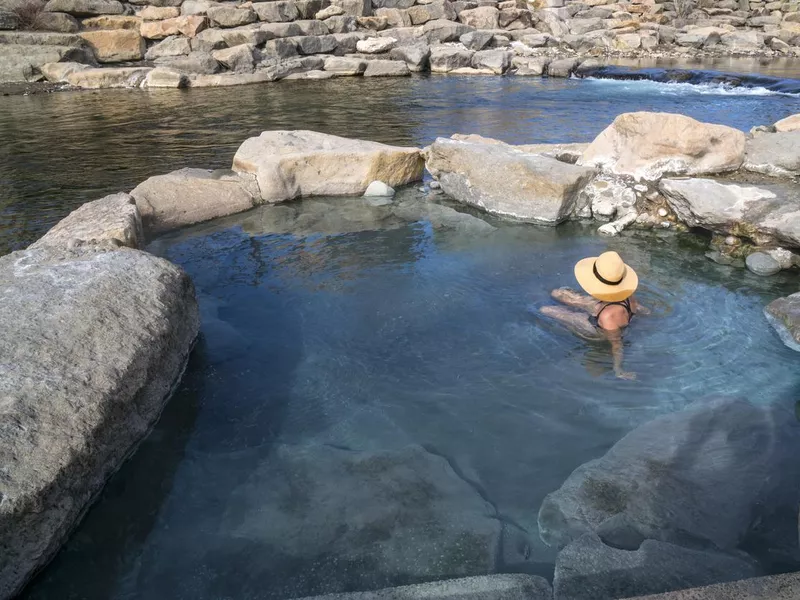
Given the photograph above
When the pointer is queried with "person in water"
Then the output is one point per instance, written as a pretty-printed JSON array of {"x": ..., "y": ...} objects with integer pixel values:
[{"x": 609, "y": 307}]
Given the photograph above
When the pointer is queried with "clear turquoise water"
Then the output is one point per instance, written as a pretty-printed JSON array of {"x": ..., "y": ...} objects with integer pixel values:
[{"x": 401, "y": 334}]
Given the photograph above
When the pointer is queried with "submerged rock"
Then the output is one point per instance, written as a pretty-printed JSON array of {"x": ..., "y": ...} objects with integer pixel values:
[
  {"x": 784, "y": 315},
  {"x": 318, "y": 519},
  {"x": 650, "y": 145},
  {"x": 92, "y": 343},
  {"x": 290, "y": 164},
  {"x": 503, "y": 180},
  {"x": 763, "y": 214},
  {"x": 762, "y": 264},
  {"x": 190, "y": 196},
  {"x": 589, "y": 569},
  {"x": 697, "y": 478}
]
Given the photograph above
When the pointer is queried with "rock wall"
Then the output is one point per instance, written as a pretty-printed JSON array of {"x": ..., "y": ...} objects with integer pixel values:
[{"x": 205, "y": 42}]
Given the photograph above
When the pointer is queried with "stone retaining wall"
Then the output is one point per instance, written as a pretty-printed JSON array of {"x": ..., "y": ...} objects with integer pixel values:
[{"x": 177, "y": 43}]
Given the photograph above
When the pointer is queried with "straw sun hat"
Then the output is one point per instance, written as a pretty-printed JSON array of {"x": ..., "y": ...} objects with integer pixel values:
[{"x": 606, "y": 277}]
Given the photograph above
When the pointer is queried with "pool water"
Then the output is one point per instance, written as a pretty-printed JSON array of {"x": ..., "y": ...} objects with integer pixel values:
[{"x": 335, "y": 326}]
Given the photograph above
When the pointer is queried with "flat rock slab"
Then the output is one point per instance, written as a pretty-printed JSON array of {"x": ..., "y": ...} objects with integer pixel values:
[
  {"x": 190, "y": 196},
  {"x": 488, "y": 587},
  {"x": 784, "y": 315},
  {"x": 773, "y": 587},
  {"x": 698, "y": 477},
  {"x": 765, "y": 213},
  {"x": 112, "y": 219},
  {"x": 290, "y": 164},
  {"x": 503, "y": 180},
  {"x": 95, "y": 79},
  {"x": 314, "y": 519},
  {"x": 23, "y": 62},
  {"x": 648, "y": 146},
  {"x": 91, "y": 344}
]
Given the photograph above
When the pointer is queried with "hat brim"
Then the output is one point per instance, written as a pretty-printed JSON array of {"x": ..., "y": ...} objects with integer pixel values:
[{"x": 584, "y": 273}]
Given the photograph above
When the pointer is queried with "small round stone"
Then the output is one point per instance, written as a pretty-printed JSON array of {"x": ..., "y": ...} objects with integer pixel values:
[{"x": 762, "y": 264}]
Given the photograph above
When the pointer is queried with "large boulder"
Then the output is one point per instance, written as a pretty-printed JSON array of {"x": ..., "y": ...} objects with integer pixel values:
[
  {"x": 447, "y": 58},
  {"x": 113, "y": 219},
  {"x": 442, "y": 31},
  {"x": 765, "y": 214},
  {"x": 115, "y": 45},
  {"x": 416, "y": 56},
  {"x": 190, "y": 196},
  {"x": 699, "y": 478},
  {"x": 648, "y": 146},
  {"x": 774, "y": 154},
  {"x": 189, "y": 26},
  {"x": 241, "y": 59},
  {"x": 483, "y": 17},
  {"x": 790, "y": 123},
  {"x": 506, "y": 181},
  {"x": 589, "y": 569},
  {"x": 289, "y": 164},
  {"x": 93, "y": 342},
  {"x": 229, "y": 16},
  {"x": 23, "y": 62},
  {"x": 784, "y": 315}
]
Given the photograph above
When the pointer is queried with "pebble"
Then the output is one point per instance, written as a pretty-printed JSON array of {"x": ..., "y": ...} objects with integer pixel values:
[
  {"x": 435, "y": 185},
  {"x": 662, "y": 212},
  {"x": 665, "y": 224},
  {"x": 378, "y": 188},
  {"x": 732, "y": 240}
]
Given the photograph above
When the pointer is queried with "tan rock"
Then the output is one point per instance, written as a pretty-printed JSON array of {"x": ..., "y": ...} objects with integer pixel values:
[
  {"x": 189, "y": 26},
  {"x": 159, "y": 13},
  {"x": 113, "y": 218},
  {"x": 290, "y": 164},
  {"x": 163, "y": 77},
  {"x": 192, "y": 196},
  {"x": 649, "y": 145},
  {"x": 791, "y": 123},
  {"x": 95, "y": 79},
  {"x": 112, "y": 22},
  {"x": 115, "y": 45},
  {"x": 483, "y": 17},
  {"x": 57, "y": 72},
  {"x": 231, "y": 79}
]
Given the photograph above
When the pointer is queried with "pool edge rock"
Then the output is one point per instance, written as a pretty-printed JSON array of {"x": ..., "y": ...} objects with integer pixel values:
[{"x": 93, "y": 340}]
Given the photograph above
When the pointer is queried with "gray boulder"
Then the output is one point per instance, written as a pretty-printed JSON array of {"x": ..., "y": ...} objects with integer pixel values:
[
  {"x": 562, "y": 67},
  {"x": 8, "y": 19},
  {"x": 169, "y": 47},
  {"x": 113, "y": 219},
  {"x": 444, "y": 59},
  {"x": 416, "y": 56},
  {"x": 85, "y": 373},
  {"x": 506, "y": 181},
  {"x": 477, "y": 40},
  {"x": 344, "y": 66},
  {"x": 196, "y": 62},
  {"x": 697, "y": 478},
  {"x": 341, "y": 24},
  {"x": 190, "y": 196},
  {"x": 24, "y": 62},
  {"x": 281, "y": 30},
  {"x": 229, "y": 16},
  {"x": 775, "y": 154},
  {"x": 387, "y": 68},
  {"x": 85, "y": 8},
  {"x": 55, "y": 21},
  {"x": 438, "y": 9},
  {"x": 496, "y": 61},
  {"x": 587, "y": 569},
  {"x": 241, "y": 59},
  {"x": 784, "y": 315},
  {"x": 279, "y": 49},
  {"x": 277, "y": 12},
  {"x": 322, "y": 44},
  {"x": 762, "y": 264},
  {"x": 767, "y": 214},
  {"x": 290, "y": 164},
  {"x": 441, "y": 31}
]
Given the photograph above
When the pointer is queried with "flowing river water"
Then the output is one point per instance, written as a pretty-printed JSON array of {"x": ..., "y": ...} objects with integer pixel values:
[{"x": 340, "y": 325}]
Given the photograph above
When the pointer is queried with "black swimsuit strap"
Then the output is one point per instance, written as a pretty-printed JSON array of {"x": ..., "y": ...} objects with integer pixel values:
[{"x": 624, "y": 303}]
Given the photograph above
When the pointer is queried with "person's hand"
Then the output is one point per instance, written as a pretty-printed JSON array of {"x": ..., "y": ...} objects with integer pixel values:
[{"x": 629, "y": 375}]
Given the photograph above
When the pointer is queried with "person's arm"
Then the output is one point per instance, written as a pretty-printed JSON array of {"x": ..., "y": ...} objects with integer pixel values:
[
  {"x": 638, "y": 309},
  {"x": 615, "y": 337}
]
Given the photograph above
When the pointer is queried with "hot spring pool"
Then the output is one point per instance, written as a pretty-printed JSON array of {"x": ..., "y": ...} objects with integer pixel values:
[{"x": 334, "y": 328}]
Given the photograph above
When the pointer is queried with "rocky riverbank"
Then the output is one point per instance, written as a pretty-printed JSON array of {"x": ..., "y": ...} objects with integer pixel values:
[
  {"x": 95, "y": 333},
  {"x": 199, "y": 43}
]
